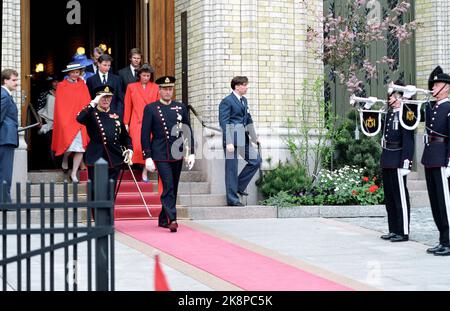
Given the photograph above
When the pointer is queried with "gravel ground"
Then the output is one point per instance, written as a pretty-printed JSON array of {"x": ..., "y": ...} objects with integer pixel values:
[{"x": 422, "y": 227}]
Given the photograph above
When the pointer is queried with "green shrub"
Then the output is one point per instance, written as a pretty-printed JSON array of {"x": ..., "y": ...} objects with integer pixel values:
[
  {"x": 364, "y": 152},
  {"x": 288, "y": 177}
]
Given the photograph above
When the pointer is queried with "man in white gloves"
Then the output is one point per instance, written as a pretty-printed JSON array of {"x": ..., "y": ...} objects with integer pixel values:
[
  {"x": 107, "y": 135},
  {"x": 436, "y": 157},
  {"x": 166, "y": 139},
  {"x": 396, "y": 161}
]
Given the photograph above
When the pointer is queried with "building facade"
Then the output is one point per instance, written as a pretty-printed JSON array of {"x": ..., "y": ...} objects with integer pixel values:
[{"x": 205, "y": 43}]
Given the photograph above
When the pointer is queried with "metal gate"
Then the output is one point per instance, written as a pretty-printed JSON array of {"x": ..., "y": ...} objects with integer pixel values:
[{"x": 48, "y": 245}]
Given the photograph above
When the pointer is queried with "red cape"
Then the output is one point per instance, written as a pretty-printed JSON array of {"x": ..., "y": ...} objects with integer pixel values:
[{"x": 70, "y": 99}]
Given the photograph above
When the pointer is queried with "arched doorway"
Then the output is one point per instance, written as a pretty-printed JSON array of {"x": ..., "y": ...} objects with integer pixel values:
[{"x": 120, "y": 26}]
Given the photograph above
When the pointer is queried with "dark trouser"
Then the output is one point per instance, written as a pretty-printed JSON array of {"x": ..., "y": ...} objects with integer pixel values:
[
  {"x": 397, "y": 201},
  {"x": 438, "y": 192},
  {"x": 233, "y": 182},
  {"x": 6, "y": 169},
  {"x": 113, "y": 173},
  {"x": 169, "y": 172}
]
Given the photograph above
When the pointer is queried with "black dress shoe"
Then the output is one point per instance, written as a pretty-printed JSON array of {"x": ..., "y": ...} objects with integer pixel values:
[
  {"x": 242, "y": 193},
  {"x": 235, "y": 204},
  {"x": 387, "y": 236},
  {"x": 437, "y": 248},
  {"x": 399, "y": 238},
  {"x": 173, "y": 226},
  {"x": 445, "y": 251}
]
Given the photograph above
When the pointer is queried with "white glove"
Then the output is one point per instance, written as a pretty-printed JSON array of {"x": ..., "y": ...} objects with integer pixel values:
[
  {"x": 149, "y": 165},
  {"x": 190, "y": 161},
  {"x": 447, "y": 171},
  {"x": 95, "y": 101},
  {"x": 44, "y": 129},
  {"x": 128, "y": 155},
  {"x": 404, "y": 172}
]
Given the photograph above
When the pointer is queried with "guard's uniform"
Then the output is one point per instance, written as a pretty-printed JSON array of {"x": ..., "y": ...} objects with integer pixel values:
[
  {"x": 107, "y": 135},
  {"x": 436, "y": 155},
  {"x": 398, "y": 151},
  {"x": 165, "y": 130}
]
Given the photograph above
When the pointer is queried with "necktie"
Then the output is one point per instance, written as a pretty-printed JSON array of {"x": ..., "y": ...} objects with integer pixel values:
[
  {"x": 104, "y": 79},
  {"x": 135, "y": 73}
]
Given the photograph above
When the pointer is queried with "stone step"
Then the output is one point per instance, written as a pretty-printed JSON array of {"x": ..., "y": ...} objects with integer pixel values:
[
  {"x": 417, "y": 185},
  {"x": 231, "y": 212},
  {"x": 59, "y": 176},
  {"x": 419, "y": 198},
  {"x": 202, "y": 200},
  {"x": 200, "y": 187},
  {"x": 413, "y": 176},
  {"x": 59, "y": 189}
]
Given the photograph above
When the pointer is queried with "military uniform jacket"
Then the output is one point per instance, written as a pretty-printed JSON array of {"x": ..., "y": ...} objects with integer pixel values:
[
  {"x": 437, "y": 124},
  {"x": 107, "y": 134},
  {"x": 162, "y": 131},
  {"x": 397, "y": 143}
]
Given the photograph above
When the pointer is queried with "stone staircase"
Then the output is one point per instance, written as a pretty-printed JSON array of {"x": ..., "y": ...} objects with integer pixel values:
[
  {"x": 193, "y": 192},
  {"x": 417, "y": 191}
]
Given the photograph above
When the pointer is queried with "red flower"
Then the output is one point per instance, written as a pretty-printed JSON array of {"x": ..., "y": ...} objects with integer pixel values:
[
  {"x": 354, "y": 192},
  {"x": 373, "y": 188},
  {"x": 374, "y": 178},
  {"x": 366, "y": 179}
]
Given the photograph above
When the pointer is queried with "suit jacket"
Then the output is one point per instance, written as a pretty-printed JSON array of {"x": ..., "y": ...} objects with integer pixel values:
[
  {"x": 8, "y": 120},
  {"x": 235, "y": 118},
  {"x": 161, "y": 135},
  {"x": 107, "y": 135},
  {"x": 401, "y": 141},
  {"x": 114, "y": 82},
  {"x": 127, "y": 77},
  {"x": 437, "y": 123}
]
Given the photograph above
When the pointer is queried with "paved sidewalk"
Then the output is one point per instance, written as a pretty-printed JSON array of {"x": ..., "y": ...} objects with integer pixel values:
[
  {"x": 334, "y": 249},
  {"x": 345, "y": 249}
]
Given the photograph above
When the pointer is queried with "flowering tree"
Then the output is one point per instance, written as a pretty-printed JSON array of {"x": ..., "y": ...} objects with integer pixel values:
[{"x": 343, "y": 41}]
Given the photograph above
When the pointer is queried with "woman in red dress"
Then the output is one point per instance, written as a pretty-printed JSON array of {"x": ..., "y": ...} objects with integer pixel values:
[
  {"x": 72, "y": 95},
  {"x": 137, "y": 96}
]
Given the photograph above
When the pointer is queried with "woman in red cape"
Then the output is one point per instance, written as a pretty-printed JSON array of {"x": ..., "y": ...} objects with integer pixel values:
[
  {"x": 137, "y": 96},
  {"x": 72, "y": 95}
]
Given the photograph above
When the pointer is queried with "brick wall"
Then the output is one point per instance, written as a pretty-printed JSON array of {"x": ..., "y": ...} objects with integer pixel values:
[
  {"x": 264, "y": 40},
  {"x": 11, "y": 39},
  {"x": 432, "y": 38}
]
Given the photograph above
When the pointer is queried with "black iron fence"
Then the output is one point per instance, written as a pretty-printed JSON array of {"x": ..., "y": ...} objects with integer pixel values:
[{"x": 47, "y": 241}]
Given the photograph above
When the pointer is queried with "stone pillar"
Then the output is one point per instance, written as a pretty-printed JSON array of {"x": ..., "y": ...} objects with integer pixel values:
[
  {"x": 432, "y": 42},
  {"x": 11, "y": 58}
]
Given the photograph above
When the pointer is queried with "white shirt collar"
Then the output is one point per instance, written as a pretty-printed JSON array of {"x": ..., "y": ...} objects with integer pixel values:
[
  {"x": 7, "y": 90},
  {"x": 396, "y": 109},
  {"x": 132, "y": 70},
  {"x": 237, "y": 95},
  {"x": 101, "y": 75},
  {"x": 442, "y": 101}
]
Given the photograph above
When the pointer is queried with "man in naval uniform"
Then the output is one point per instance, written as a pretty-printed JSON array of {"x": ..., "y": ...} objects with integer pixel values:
[
  {"x": 166, "y": 138},
  {"x": 436, "y": 157},
  {"x": 396, "y": 161},
  {"x": 108, "y": 136}
]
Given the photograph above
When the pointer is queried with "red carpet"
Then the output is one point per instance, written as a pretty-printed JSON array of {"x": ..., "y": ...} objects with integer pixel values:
[
  {"x": 232, "y": 263},
  {"x": 128, "y": 204}
]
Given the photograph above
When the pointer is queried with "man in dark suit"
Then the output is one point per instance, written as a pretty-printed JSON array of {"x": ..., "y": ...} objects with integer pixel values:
[
  {"x": 129, "y": 74},
  {"x": 436, "y": 157},
  {"x": 9, "y": 139},
  {"x": 104, "y": 77},
  {"x": 166, "y": 139},
  {"x": 96, "y": 53},
  {"x": 238, "y": 130},
  {"x": 396, "y": 161}
]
